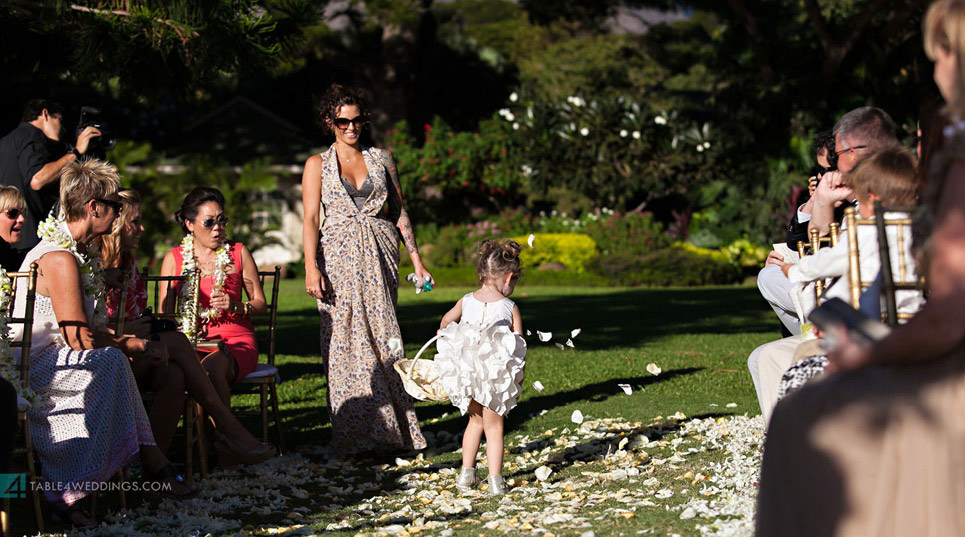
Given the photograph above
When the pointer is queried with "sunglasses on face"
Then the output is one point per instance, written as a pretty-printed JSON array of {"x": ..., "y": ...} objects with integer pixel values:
[
  {"x": 113, "y": 204},
  {"x": 209, "y": 223},
  {"x": 343, "y": 122},
  {"x": 13, "y": 214}
]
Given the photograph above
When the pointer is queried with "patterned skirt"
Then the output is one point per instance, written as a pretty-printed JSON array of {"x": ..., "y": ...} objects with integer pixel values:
[{"x": 90, "y": 420}]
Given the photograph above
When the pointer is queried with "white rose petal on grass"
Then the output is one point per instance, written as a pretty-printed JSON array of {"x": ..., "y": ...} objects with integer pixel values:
[
  {"x": 569, "y": 343},
  {"x": 577, "y": 417},
  {"x": 627, "y": 389},
  {"x": 544, "y": 336},
  {"x": 731, "y": 405},
  {"x": 653, "y": 369},
  {"x": 575, "y": 332},
  {"x": 688, "y": 513},
  {"x": 395, "y": 344},
  {"x": 543, "y": 472},
  {"x": 664, "y": 493},
  {"x": 530, "y": 239},
  {"x": 538, "y": 386}
]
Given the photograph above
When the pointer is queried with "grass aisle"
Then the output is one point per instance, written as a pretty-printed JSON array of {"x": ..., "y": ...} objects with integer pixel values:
[{"x": 677, "y": 456}]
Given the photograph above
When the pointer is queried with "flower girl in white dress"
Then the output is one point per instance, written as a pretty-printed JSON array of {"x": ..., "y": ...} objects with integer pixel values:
[{"x": 481, "y": 359}]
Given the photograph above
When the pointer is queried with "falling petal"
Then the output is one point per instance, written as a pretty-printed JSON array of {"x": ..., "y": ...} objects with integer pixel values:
[
  {"x": 559, "y": 346},
  {"x": 538, "y": 386},
  {"x": 528, "y": 333},
  {"x": 530, "y": 240},
  {"x": 544, "y": 336},
  {"x": 653, "y": 369},
  {"x": 395, "y": 344},
  {"x": 569, "y": 343},
  {"x": 576, "y": 332},
  {"x": 577, "y": 417},
  {"x": 626, "y": 388},
  {"x": 543, "y": 472}
]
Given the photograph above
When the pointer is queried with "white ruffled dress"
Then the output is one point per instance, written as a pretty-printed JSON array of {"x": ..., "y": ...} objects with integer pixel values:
[{"x": 480, "y": 358}]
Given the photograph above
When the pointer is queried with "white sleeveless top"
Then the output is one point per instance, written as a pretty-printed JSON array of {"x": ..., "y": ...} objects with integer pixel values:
[
  {"x": 487, "y": 313},
  {"x": 46, "y": 330}
]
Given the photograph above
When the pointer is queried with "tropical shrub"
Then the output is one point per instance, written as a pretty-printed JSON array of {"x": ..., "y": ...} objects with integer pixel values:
[
  {"x": 631, "y": 234},
  {"x": 678, "y": 265},
  {"x": 573, "y": 250}
]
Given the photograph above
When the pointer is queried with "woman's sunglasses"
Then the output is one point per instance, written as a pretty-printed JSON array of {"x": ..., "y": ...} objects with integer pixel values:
[
  {"x": 209, "y": 223},
  {"x": 343, "y": 122},
  {"x": 13, "y": 214}
]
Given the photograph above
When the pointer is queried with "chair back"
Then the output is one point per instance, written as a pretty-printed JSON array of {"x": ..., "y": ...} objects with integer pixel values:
[
  {"x": 889, "y": 285},
  {"x": 28, "y": 278},
  {"x": 121, "y": 307},
  {"x": 154, "y": 285},
  {"x": 271, "y": 317}
]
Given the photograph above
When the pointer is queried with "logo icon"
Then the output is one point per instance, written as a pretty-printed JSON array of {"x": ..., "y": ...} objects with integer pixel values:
[{"x": 13, "y": 486}]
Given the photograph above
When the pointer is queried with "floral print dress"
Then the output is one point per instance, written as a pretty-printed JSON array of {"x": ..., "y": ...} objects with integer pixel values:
[{"x": 358, "y": 254}]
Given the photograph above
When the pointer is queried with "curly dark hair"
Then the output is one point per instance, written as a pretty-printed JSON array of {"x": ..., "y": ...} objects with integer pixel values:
[
  {"x": 823, "y": 141},
  {"x": 336, "y": 97}
]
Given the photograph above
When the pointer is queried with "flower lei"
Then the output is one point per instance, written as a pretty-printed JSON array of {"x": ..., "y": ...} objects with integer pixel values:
[
  {"x": 54, "y": 229},
  {"x": 9, "y": 369},
  {"x": 188, "y": 313}
]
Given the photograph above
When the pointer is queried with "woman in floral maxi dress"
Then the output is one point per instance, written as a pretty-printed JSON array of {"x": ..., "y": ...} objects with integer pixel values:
[{"x": 356, "y": 282}]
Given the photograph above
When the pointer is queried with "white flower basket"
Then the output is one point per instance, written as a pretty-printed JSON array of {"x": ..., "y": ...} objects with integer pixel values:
[{"x": 421, "y": 378}]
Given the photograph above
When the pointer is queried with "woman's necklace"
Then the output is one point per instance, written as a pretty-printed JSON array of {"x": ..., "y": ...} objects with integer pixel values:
[
  {"x": 9, "y": 369},
  {"x": 55, "y": 230},
  {"x": 188, "y": 314}
]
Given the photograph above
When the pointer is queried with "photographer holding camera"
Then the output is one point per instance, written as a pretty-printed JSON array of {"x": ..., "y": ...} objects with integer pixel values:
[{"x": 32, "y": 161}]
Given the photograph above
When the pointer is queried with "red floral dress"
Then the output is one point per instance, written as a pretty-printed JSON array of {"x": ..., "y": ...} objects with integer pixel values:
[{"x": 136, "y": 296}]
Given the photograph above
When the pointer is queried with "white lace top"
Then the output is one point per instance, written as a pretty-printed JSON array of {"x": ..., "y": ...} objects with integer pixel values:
[{"x": 46, "y": 330}]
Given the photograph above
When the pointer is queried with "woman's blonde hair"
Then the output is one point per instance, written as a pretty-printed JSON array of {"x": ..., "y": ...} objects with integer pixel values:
[
  {"x": 944, "y": 28},
  {"x": 11, "y": 198},
  {"x": 82, "y": 181},
  {"x": 111, "y": 252},
  {"x": 891, "y": 174},
  {"x": 494, "y": 258}
]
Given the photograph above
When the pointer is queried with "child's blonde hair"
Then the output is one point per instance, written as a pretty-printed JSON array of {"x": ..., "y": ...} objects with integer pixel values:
[
  {"x": 891, "y": 174},
  {"x": 497, "y": 257}
]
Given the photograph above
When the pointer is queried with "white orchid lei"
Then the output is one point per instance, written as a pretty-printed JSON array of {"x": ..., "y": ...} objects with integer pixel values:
[
  {"x": 9, "y": 369},
  {"x": 54, "y": 229},
  {"x": 188, "y": 314}
]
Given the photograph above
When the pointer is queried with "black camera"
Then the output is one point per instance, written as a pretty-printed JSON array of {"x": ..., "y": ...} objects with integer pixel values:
[{"x": 92, "y": 117}]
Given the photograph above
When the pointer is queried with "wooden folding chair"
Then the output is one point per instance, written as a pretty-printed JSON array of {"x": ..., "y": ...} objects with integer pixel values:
[
  {"x": 193, "y": 421},
  {"x": 265, "y": 378},
  {"x": 889, "y": 285},
  {"x": 23, "y": 447},
  {"x": 814, "y": 245}
]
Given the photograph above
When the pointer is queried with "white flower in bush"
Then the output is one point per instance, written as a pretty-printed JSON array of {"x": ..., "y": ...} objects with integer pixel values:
[
  {"x": 636, "y": 135},
  {"x": 507, "y": 115},
  {"x": 513, "y": 97},
  {"x": 527, "y": 170},
  {"x": 700, "y": 148},
  {"x": 623, "y": 133},
  {"x": 706, "y": 145},
  {"x": 585, "y": 131},
  {"x": 515, "y": 126},
  {"x": 660, "y": 120}
]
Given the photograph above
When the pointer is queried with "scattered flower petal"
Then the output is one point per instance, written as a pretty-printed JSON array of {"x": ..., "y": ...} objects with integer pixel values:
[
  {"x": 395, "y": 344},
  {"x": 575, "y": 332},
  {"x": 731, "y": 405},
  {"x": 653, "y": 369},
  {"x": 559, "y": 346},
  {"x": 577, "y": 417},
  {"x": 544, "y": 336},
  {"x": 543, "y": 472},
  {"x": 538, "y": 386},
  {"x": 530, "y": 239},
  {"x": 627, "y": 389},
  {"x": 569, "y": 343}
]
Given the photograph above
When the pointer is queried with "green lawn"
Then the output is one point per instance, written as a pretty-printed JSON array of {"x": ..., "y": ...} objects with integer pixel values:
[{"x": 700, "y": 338}]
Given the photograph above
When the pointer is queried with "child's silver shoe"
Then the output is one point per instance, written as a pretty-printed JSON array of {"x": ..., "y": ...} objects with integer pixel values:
[
  {"x": 497, "y": 486},
  {"x": 467, "y": 479}
]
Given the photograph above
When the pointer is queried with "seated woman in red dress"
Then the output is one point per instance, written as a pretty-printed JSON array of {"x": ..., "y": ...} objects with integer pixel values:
[
  {"x": 184, "y": 371},
  {"x": 227, "y": 272}
]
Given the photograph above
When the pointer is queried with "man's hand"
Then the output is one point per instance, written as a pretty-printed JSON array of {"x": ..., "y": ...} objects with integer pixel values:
[
  {"x": 832, "y": 190},
  {"x": 83, "y": 141},
  {"x": 774, "y": 258}
]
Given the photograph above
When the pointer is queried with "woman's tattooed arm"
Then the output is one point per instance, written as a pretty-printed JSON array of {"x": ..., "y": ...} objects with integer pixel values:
[{"x": 397, "y": 208}]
